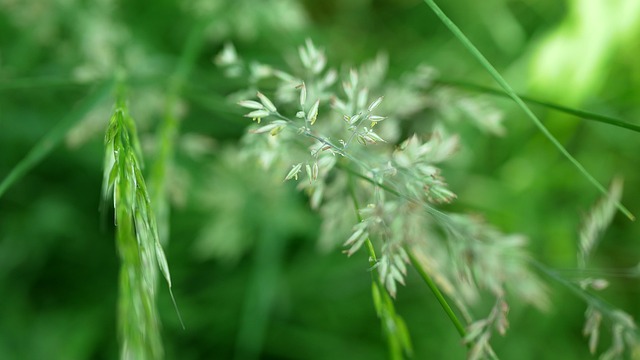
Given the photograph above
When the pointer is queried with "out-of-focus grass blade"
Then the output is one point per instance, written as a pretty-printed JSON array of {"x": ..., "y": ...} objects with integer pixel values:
[
  {"x": 511, "y": 93},
  {"x": 587, "y": 115},
  {"x": 40, "y": 82},
  {"x": 51, "y": 139}
]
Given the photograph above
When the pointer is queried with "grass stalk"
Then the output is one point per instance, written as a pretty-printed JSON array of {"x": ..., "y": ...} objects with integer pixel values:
[
  {"x": 169, "y": 129},
  {"x": 437, "y": 293},
  {"x": 521, "y": 104}
]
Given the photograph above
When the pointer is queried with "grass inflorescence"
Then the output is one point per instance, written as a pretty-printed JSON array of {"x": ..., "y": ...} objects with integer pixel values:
[
  {"x": 344, "y": 141},
  {"x": 137, "y": 238}
]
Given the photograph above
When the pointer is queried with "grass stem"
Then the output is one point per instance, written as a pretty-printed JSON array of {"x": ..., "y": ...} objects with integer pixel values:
[{"x": 437, "y": 293}]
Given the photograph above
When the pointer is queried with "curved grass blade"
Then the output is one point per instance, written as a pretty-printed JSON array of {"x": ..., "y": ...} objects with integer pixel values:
[
  {"x": 511, "y": 93},
  {"x": 587, "y": 115},
  {"x": 53, "y": 138}
]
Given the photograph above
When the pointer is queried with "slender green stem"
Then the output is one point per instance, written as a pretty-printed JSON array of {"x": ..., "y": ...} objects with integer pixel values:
[
  {"x": 373, "y": 259},
  {"x": 587, "y": 115},
  {"x": 438, "y": 294},
  {"x": 169, "y": 129},
  {"x": 511, "y": 93},
  {"x": 586, "y": 296}
]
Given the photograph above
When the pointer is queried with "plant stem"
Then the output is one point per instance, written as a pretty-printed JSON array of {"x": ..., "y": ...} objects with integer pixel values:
[
  {"x": 437, "y": 293},
  {"x": 169, "y": 129},
  {"x": 511, "y": 93},
  {"x": 373, "y": 259}
]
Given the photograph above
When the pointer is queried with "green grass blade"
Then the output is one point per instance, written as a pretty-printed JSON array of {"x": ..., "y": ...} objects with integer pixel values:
[
  {"x": 53, "y": 138},
  {"x": 587, "y": 115},
  {"x": 511, "y": 93},
  {"x": 41, "y": 82}
]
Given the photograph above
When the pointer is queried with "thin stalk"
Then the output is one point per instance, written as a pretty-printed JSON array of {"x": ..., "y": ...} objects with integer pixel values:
[
  {"x": 169, "y": 130},
  {"x": 373, "y": 258},
  {"x": 438, "y": 294},
  {"x": 587, "y": 115},
  {"x": 511, "y": 93},
  {"x": 49, "y": 142},
  {"x": 588, "y": 297}
]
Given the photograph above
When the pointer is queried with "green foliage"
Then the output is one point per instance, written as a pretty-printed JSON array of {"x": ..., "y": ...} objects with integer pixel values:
[{"x": 392, "y": 132}]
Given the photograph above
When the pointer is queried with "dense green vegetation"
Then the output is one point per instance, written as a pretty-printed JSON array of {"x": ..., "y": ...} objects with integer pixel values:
[{"x": 124, "y": 140}]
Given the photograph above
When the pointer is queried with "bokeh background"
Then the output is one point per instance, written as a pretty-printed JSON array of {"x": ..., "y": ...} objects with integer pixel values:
[{"x": 269, "y": 292}]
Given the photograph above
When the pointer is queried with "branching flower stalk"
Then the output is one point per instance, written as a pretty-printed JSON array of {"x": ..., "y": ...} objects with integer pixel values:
[
  {"x": 137, "y": 238},
  {"x": 352, "y": 151}
]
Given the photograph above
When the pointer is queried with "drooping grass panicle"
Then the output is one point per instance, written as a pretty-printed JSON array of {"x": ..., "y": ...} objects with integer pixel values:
[
  {"x": 624, "y": 334},
  {"x": 137, "y": 239}
]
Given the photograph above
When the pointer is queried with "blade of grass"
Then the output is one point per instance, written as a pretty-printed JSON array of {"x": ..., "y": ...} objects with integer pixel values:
[
  {"x": 511, "y": 93},
  {"x": 587, "y": 115},
  {"x": 39, "y": 82},
  {"x": 262, "y": 292},
  {"x": 53, "y": 138}
]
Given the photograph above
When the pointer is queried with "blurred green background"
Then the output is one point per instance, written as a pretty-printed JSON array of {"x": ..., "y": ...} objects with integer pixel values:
[{"x": 266, "y": 291}]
